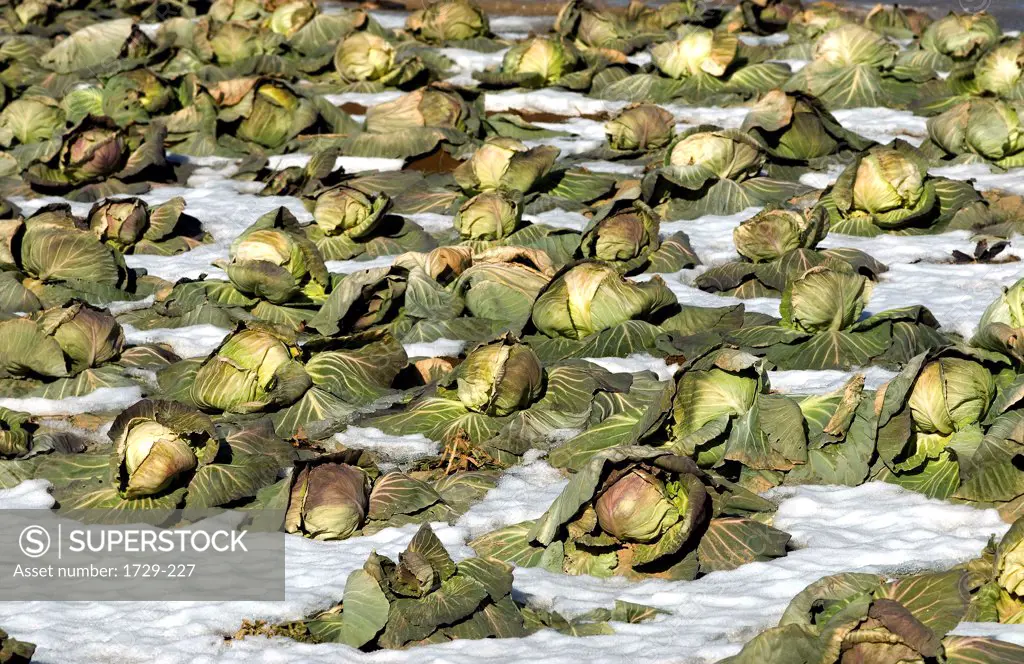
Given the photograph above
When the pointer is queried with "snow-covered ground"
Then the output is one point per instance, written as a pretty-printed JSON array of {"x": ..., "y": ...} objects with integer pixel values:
[
  {"x": 102, "y": 400},
  {"x": 872, "y": 528},
  {"x": 396, "y": 449},
  {"x": 876, "y": 527}
]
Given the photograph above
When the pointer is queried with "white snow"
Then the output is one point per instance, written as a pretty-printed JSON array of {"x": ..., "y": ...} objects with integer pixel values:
[
  {"x": 794, "y": 65},
  {"x": 691, "y": 116},
  {"x": 559, "y": 219},
  {"x": 884, "y": 124},
  {"x": 438, "y": 348},
  {"x": 635, "y": 363},
  {"x": 820, "y": 180},
  {"x": 569, "y": 145},
  {"x": 876, "y": 527},
  {"x": 29, "y": 495},
  {"x": 397, "y": 449},
  {"x": 523, "y": 493},
  {"x": 918, "y": 270},
  {"x": 557, "y": 102},
  {"x": 350, "y": 164},
  {"x": 432, "y": 222},
  {"x": 390, "y": 20},
  {"x": 956, "y": 294},
  {"x": 581, "y": 127},
  {"x": 190, "y": 341},
  {"x": 711, "y": 235},
  {"x": 520, "y": 25},
  {"x": 623, "y": 168},
  {"x": 983, "y": 176},
  {"x": 687, "y": 294},
  {"x": 118, "y": 308},
  {"x": 367, "y": 99},
  {"x": 102, "y": 400},
  {"x": 778, "y": 39},
  {"x": 1010, "y": 633},
  {"x": 466, "y": 62},
  {"x": 821, "y": 382},
  {"x": 640, "y": 58},
  {"x": 905, "y": 249},
  {"x": 218, "y": 202},
  {"x": 873, "y": 528}
]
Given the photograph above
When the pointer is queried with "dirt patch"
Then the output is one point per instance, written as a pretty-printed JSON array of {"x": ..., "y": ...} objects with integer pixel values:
[
  {"x": 531, "y": 116},
  {"x": 353, "y": 108},
  {"x": 438, "y": 161}
]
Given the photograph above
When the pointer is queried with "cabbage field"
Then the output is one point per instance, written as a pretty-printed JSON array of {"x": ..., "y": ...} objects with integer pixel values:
[{"x": 665, "y": 332}]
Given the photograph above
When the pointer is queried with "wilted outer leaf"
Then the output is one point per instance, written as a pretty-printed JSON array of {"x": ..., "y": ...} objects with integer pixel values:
[
  {"x": 27, "y": 350},
  {"x": 729, "y": 543},
  {"x": 59, "y": 254},
  {"x": 789, "y": 644},
  {"x": 426, "y": 544},
  {"x": 89, "y": 47},
  {"x": 365, "y": 613},
  {"x": 416, "y": 619},
  {"x": 939, "y": 600},
  {"x": 492, "y": 574},
  {"x": 501, "y": 620},
  {"x": 981, "y": 650},
  {"x": 359, "y": 375},
  {"x": 317, "y": 409},
  {"x": 259, "y": 439},
  {"x": 62, "y": 469},
  {"x": 511, "y": 544},
  {"x": 86, "y": 382},
  {"x": 97, "y": 501},
  {"x": 397, "y": 493},
  {"x": 219, "y": 484},
  {"x": 935, "y": 478},
  {"x": 769, "y": 436},
  {"x": 836, "y": 590}
]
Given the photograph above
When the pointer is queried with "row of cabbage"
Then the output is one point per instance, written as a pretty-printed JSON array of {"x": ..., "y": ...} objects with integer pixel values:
[
  {"x": 856, "y": 617},
  {"x": 88, "y": 113},
  {"x": 664, "y": 473}
]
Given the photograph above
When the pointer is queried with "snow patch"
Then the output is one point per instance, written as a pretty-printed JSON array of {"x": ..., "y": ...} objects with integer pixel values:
[
  {"x": 467, "y": 61},
  {"x": 433, "y": 222},
  {"x": 367, "y": 99},
  {"x": 799, "y": 381},
  {"x": 190, "y": 341},
  {"x": 438, "y": 348},
  {"x": 956, "y": 294},
  {"x": 617, "y": 167},
  {"x": 556, "y": 102},
  {"x": 29, "y": 495},
  {"x": 559, "y": 219},
  {"x": 884, "y": 124},
  {"x": 104, "y": 399},
  {"x": 1008, "y": 633},
  {"x": 350, "y": 164},
  {"x": 397, "y": 449},
  {"x": 711, "y": 235},
  {"x": 872, "y": 528},
  {"x": 687, "y": 294},
  {"x": 635, "y": 363},
  {"x": 523, "y": 493}
]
